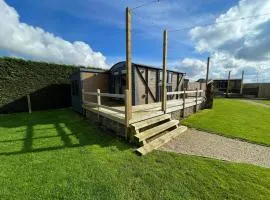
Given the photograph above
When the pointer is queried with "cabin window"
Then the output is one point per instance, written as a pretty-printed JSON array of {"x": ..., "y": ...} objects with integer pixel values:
[
  {"x": 124, "y": 71},
  {"x": 75, "y": 87}
]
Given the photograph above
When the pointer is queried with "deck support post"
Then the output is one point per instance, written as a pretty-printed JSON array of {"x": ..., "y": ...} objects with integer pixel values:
[
  {"x": 98, "y": 101},
  {"x": 128, "y": 92},
  {"x": 228, "y": 84},
  {"x": 184, "y": 102},
  {"x": 242, "y": 83},
  {"x": 164, "y": 74},
  {"x": 127, "y": 116},
  {"x": 196, "y": 107}
]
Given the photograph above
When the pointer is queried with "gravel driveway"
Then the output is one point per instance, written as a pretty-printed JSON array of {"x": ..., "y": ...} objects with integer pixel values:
[{"x": 194, "y": 142}]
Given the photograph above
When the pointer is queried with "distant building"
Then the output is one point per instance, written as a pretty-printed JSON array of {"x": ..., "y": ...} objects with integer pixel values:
[{"x": 220, "y": 85}]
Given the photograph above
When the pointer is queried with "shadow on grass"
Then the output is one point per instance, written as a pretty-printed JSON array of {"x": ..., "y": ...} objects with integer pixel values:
[{"x": 85, "y": 132}]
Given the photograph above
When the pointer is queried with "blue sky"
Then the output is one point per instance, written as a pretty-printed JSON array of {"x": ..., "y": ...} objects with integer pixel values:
[{"x": 100, "y": 27}]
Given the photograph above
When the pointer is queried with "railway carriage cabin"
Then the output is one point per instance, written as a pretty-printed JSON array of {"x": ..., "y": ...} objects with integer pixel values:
[{"x": 146, "y": 82}]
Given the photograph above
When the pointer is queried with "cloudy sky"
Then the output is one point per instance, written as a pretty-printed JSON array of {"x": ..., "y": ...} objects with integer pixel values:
[{"x": 92, "y": 33}]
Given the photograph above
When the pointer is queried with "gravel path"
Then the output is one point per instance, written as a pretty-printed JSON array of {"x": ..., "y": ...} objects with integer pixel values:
[{"x": 194, "y": 142}]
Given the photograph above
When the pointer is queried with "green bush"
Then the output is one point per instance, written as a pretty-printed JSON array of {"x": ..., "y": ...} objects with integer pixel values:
[{"x": 20, "y": 77}]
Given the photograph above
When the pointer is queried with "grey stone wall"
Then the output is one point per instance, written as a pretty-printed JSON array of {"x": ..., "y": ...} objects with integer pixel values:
[{"x": 106, "y": 124}]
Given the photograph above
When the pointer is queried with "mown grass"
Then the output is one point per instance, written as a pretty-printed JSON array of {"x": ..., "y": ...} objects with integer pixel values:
[
  {"x": 234, "y": 118},
  {"x": 59, "y": 155}
]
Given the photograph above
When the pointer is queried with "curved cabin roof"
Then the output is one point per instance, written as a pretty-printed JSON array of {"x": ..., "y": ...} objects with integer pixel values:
[{"x": 123, "y": 64}]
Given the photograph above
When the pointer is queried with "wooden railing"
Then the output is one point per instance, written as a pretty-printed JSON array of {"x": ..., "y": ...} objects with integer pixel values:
[
  {"x": 98, "y": 94},
  {"x": 184, "y": 93}
]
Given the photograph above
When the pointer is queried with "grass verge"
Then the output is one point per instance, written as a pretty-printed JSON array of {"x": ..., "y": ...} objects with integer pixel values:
[{"x": 236, "y": 119}]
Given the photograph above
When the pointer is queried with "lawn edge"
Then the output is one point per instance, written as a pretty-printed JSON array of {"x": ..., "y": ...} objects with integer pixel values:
[{"x": 227, "y": 136}]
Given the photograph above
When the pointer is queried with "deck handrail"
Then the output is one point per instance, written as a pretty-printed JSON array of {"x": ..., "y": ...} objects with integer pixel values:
[
  {"x": 98, "y": 94},
  {"x": 121, "y": 96},
  {"x": 186, "y": 92}
]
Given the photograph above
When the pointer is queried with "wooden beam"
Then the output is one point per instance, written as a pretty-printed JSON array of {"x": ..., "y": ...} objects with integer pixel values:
[
  {"x": 164, "y": 75},
  {"x": 196, "y": 107},
  {"x": 98, "y": 101},
  {"x": 184, "y": 102},
  {"x": 29, "y": 103},
  {"x": 145, "y": 83},
  {"x": 242, "y": 83},
  {"x": 128, "y": 100},
  {"x": 228, "y": 85},
  {"x": 207, "y": 71}
]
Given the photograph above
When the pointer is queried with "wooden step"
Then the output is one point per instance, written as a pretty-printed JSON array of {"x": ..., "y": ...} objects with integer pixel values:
[
  {"x": 151, "y": 121},
  {"x": 161, "y": 140},
  {"x": 156, "y": 130}
]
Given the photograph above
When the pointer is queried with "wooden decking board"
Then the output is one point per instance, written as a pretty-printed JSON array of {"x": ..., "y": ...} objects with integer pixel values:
[
  {"x": 160, "y": 141},
  {"x": 142, "y": 124},
  {"x": 156, "y": 130}
]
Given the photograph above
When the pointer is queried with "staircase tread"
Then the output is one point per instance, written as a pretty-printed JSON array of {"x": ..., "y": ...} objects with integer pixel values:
[
  {"x": 156, "y": 130},
  {"x": 148, "y": 122},
  {"x": 161, "y": 140}
]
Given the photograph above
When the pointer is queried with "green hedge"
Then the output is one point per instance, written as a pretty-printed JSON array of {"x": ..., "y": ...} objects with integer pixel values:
[{"x": 47, "y": 83}]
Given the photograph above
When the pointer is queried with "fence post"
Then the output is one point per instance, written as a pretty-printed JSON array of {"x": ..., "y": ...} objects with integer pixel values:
[
  {"x": 196, "y": 108},
  {"x": 98, "y": 101},
  {"x": 127, "y": 113},
  {"x": 164, "y": 72},
  {"x": 184, "y": 102},
  {"x": 29, "y": 103}
]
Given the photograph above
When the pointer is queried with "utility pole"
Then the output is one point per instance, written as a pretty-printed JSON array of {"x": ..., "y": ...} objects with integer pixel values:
[
  {"x": 228, "y": 85},
  {"x": 128, "y": 96},
  {"x": 242, "y": 83},
  {"x": 207, "y": 71},
  {"x": 164, "y": 74}
]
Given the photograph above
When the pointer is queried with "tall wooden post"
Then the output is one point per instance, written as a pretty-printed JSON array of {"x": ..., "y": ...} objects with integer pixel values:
[
  {"x": 242, "y": 83},
  {"x": 128, "y": 101},
  {"x": 184, "y": 103},
  {"x": 98, "y": 102},
  {"x": 29, "y": 103},
  {"x": 228, "y": 85},
  {"x": 196, "y": 107},
  {"x": 164, "y": 70},
  {"x": 207, "y": 71}
]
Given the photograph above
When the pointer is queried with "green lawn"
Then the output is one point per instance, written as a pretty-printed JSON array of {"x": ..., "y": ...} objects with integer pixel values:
[
  {"x": 59, "y": 155},
  {"x": 234, "y": 118}
]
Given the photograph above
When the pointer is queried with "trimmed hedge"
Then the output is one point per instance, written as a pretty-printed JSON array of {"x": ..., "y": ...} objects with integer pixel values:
[{"x": 48, "y": 85}]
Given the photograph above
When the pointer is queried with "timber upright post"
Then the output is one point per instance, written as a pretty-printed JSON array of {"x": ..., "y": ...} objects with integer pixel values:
[
  {"x": 207, "y": 71},
  {"x": 228, "y": 84},
  {"x": 242, "y": 83},
  {"x": 164, "y": 74},
  {"x": 98, "y": 102},
  {"x": 128, "y": 92},
  {"x": 29, "y": 103}
]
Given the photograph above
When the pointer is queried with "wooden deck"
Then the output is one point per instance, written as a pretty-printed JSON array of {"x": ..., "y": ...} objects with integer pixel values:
[{"x": 142, "y": 112}]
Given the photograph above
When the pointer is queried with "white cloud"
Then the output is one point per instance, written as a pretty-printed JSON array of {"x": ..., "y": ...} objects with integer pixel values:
[
  {"x": 194, "y": 68},
  {"x": 25, "y": 40},
  {"x": 239, "y": 45}
]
